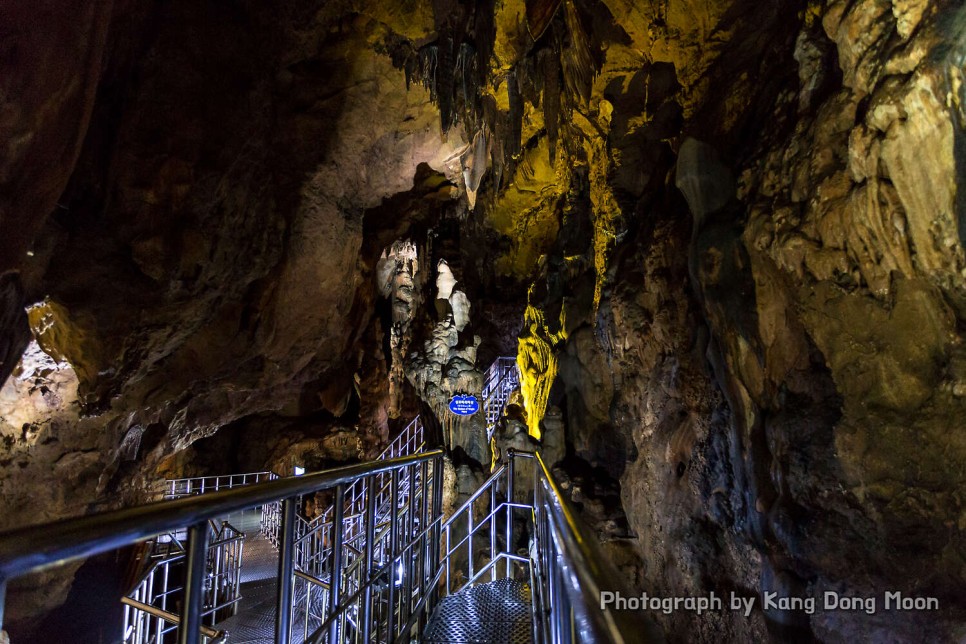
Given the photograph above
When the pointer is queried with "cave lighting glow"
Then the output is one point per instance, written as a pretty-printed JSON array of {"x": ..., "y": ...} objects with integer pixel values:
[{"x": 40, "y": 389}]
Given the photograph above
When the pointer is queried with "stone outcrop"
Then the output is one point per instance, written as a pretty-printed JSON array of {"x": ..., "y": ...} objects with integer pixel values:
[
  {"x": 725, "y": 238},
  {"x": 447, "y": 366},
  {"x": 773, "y": 379}
]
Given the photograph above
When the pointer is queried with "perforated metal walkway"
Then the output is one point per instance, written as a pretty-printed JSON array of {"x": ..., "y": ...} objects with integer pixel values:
[
  {"x": 495, "y": 613},
  {"x": 255, "y": 621}
]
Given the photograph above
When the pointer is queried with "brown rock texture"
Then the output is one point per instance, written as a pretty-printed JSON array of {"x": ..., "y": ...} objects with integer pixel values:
[{"x": 725, "y": 239}]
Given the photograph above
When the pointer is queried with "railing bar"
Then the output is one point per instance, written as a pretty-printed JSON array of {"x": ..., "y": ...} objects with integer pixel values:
[
  {"x": 476, "y": 495},
  {"x": 308, "y": 604},
  {"x": 370, "y": 538},
  {"x": 335, "y": 578},
  {"x": 286, "y": 569},
  {"x": 393, "y": 528},
  {"x": 492, "y": 519},
  {"x": 492, "y": 564},
  {"x": 314, "y": 580},
  {"x": 219, "y": 607},
  {"x": 509, "y": 510},
  {"x": 165, "y": 616},
  {"x": 469, "y": 537},
  {"x": 216, "y": 579},
  {"x": 3, "y": 599},
  {"x": 194, "y": 578},
  {"x": 424, "y": 569},
  {"x": 35, "y": 548}
]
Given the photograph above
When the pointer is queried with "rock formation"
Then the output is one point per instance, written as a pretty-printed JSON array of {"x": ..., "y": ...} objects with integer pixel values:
[{"x": 725, "y": 240}]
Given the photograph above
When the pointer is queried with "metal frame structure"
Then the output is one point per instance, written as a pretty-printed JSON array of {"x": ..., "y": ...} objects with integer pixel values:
[
  {"x": 177, "y": 488},
  {"x": 501, "y": 379},
  {"x": 147, "y": 616},
  {"x": 41, "y": 547},
  {"x": 384, "y": 547},
  {"x": 380, "y": 558}
]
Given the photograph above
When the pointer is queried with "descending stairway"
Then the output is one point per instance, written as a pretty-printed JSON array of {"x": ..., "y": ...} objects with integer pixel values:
[
  {"x": 512, "y": 564},
  {"x": 501, "y": 379},
  {"x": 255, "y": 619},
  {"x": 381, "y": 565},
  {"x": 498, "y": 612}
]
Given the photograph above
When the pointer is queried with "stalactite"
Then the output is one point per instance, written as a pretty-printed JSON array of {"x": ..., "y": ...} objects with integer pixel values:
[
  {"x": 576, "y": 58},
  {"x": 515, "y": 116},
  {"x": 539, "y": 15},
  {"x": 428, "y": 68},
  {"x": 466, "y": 69},
  {"x": 550, "y": 71},
  {"x": 445, "y": 80}
]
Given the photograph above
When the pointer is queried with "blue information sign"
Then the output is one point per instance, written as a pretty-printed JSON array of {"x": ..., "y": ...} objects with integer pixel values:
[{"x": 463, "y": 405}]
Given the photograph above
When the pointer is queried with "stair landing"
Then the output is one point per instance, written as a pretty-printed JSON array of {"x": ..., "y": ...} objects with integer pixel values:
[
  {"x": 499, "y": 612},
  {"x": 255, "y": 621}
]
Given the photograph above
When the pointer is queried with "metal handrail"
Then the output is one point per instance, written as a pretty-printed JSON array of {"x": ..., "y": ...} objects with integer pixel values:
[
  {"x": 177, "y": 488},
  {"x": 577, "y": 574},
  {"x": 36, "y": 548},
  {"x": 568, "y": 571},
  {"x": 212, "y": 634}
]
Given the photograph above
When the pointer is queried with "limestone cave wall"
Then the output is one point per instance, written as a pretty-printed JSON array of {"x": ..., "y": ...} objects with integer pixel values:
[{"x": 724, "y": 238}]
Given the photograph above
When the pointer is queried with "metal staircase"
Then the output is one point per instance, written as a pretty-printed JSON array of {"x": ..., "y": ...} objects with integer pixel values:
[
  {"x": 502, "y": 378},
  {"x": 158, "y": 586},
  {"x": 146, "y": 617},
  {"x": 380, "y": 564}
]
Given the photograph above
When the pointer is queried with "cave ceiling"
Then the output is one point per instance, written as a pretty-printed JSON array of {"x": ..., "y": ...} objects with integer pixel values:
[{"x": 724, "y": 239}]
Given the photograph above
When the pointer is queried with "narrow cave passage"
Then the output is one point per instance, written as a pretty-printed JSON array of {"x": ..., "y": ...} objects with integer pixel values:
[{"x": 631, "y": 321}]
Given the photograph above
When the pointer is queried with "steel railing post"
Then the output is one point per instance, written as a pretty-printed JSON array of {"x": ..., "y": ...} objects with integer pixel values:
[
  {"x": 215, "y": 581},
  {"x": 286, "y": 573},
  {"x": 438, "y": 525},
  {"x": 393, "y": 526},
  {"x": 509, "y": 509},
  {"x": 424, "y": 571},
  {"x": 336, "y": 577},
  {"x": 194, "y": 584},
  {"x": 3, "y": 599},
  {"x": 370, "y": 537},
  {"x": 493, "y": 507},
  {"x": 469, "y": 536},
  {"x": 410, "y": 520}
]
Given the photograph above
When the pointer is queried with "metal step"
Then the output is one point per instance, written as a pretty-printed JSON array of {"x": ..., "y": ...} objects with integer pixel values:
[{"x": 498, "y": 612}]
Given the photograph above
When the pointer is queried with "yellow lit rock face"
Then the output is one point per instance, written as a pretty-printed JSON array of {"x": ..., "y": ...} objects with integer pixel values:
[
  {"x": 527, "y": 211},
  {"x": 690, "y": 34},
  {"x": 511, "y": 34},
  {"x": 606, "y": 213},
  {"x": 412, "y": 19},
  {"x": 537, "y": 360}
]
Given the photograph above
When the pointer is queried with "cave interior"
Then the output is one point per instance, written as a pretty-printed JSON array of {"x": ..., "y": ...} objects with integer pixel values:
[{"x": 722, "y": 242}]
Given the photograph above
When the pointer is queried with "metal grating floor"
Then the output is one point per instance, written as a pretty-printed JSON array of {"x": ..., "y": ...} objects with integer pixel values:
[
  {"x": 255, "y": 621},
  {"x": 498, "y": 612}
]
